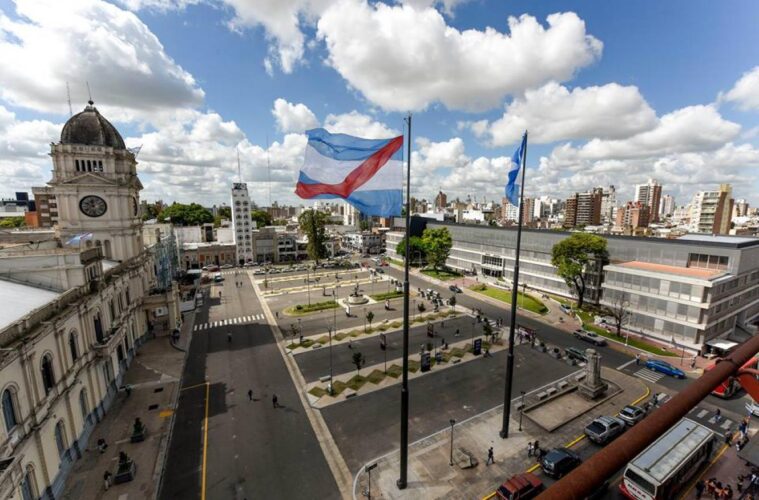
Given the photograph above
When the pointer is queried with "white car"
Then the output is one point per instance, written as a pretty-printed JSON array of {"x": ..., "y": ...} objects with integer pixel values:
[{"x": 753, "y": 408}]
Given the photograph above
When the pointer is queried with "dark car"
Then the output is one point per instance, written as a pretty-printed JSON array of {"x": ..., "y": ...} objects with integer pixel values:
[
  {"x": 559, "y": 462},
  {"x": 520, "y": 487},
  {"x": 454, "y": 289},
  {"x": 575, "y": 353},
  {"x": 665, "y": 368}
]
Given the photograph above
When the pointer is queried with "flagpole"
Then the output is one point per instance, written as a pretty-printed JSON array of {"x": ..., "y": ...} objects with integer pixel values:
[
  {"x": 514, "y": 296},
  {"x": 402, "y": 480}
]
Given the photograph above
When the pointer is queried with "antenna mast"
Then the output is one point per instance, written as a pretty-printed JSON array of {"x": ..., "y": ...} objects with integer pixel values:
[
  {"x": 268, "y": 168},
  {"x": 68, "y": 95},
  {"x": 88, "y": 91},
  {"x": 239, "y": 172}
]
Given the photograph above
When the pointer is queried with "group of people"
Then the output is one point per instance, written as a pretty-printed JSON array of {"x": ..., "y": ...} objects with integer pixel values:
[
  {"x": 525, "y": 336},
  {"x": 714, "y": 488},
  {"x": 534, "y": 450}
]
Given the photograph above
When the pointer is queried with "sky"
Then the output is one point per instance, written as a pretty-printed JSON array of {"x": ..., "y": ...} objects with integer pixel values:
[{"x": 611, "y": 92}]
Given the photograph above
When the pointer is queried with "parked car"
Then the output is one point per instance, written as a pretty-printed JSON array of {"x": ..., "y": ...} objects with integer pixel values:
[
  {"x": 575, "y": 353},
  {"x": 454, "y": 289},
  {"x": 591, "y": 337},
  {"x": 379, "y": 270},
  {"x": 227, "y": 266},
  {"x": 632, "y": 414},
  {"x": 753, "y": 408},
  {"x": 520, "y": 487},
  {"x": 559, "y": 462},
  {"x": 212, "y": 268},
  {"x": 604, "y": 429},
  {"x": 258, "y": 272},
  {"x": 665, "y": 368}
]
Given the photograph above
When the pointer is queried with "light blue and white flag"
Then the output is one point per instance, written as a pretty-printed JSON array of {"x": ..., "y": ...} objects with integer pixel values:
[
  {"x": 512, "y": 188},
  {"x": 79, "y": 238}
]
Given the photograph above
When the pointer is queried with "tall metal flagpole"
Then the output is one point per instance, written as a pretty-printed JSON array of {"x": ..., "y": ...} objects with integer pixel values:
[
  {"x": 514, "y": 296},
  {"x": 402, "y": 480}
]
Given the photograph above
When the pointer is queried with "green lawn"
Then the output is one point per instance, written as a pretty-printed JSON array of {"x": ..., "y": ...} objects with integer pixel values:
[
  {"x": 376, "y": 376},
  {"x": 395, "y": 261},
  {"x": 301, "y": 309},
  {"x": 525, "y": 301},
  {"x": 443, "y": 274},
  {"x": 388, "y": 295},
  {"x": 317, "y": 391}
]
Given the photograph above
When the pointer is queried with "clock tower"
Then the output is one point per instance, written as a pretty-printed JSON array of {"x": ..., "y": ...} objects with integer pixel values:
[{"x": 96, "y": 186}]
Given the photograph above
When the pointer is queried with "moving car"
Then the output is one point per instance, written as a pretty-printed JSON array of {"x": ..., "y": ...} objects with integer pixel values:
[
  {"x": 604, "y": 429},
  {"x": 665, "y": 368},
  {"x": 520, "y": 487},
  {"x": 591, "y": 337},
  {"x": 559, "y": 462},
  {"x": 632, "y": 414},
  {"x": 218, "y": 277},
  {"x": 575, "y": 353},
  {"x": 454, "y": 289}
]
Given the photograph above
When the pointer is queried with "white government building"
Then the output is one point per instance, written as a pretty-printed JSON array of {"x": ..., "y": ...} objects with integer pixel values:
[{"x": 74, "y": 309}]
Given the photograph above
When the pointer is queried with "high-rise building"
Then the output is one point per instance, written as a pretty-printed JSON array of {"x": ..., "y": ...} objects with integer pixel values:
[
  {"x": 47, "y": 206},
  {"x": 242, "y": 224},
  {"x": 650, "y": 195},
  {"x": 546, "y": 207},
  {"x": 584, "y": 209},
  {"x": 608, "y": 203},
  {"x": 711, "y": 211},
  {"x": 633, "y": 215},
  {"x": 351, "y": 216},
  {"x": 667, "y": 206},
  {"x": 509, "y": 211},
  {"x": 740, "y": 209},
  {"x": 441, "y": 200},
  {"x": 528, "y": 213}
]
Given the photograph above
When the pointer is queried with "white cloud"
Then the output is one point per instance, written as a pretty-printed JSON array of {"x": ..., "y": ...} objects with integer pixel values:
[
  {"x": 402, "y": 58},
  {"x": 448, "y": 6},
  {"x": 158, "y": 5},
  {"x": 430, "y": 156},
  {"x": 745, "y": 92},
  {"x": 81, "y": 41},
  {"x": 483, "y": 177},
  {"x": 358, "y": 124},
  {"x": 554, "y": 113},
  {"x": 293, "y": 117}
]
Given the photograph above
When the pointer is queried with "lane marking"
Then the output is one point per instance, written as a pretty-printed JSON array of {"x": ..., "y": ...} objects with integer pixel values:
[
  {"x": 625, "y": 365},
  {"x": 205, "y": 446}
]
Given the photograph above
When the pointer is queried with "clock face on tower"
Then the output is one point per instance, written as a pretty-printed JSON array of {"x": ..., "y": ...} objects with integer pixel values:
[{"x": 93, "y": 206}]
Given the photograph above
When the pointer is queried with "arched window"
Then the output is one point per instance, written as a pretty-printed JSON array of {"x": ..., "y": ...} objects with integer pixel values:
[
  {"x": 98, "y": 327},
  {"x": 73, "y": 345},
  {"x": 48, "y": 376},
  {"x": 9, "y": 410},
  {"x": 29, "y": 485},
  {"x": 84, "y": 405},
  {"x": 60, "y": 438}
]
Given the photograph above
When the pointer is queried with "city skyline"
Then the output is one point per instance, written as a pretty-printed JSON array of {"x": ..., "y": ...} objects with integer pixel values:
[{"x": 692, "y": 127}]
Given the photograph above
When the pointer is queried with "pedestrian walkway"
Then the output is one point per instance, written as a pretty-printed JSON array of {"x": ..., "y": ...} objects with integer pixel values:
[
  {"x": 649, "y": 375},
  {"x": 153, "y": 378},
  {"x": 240, "y": 320}
]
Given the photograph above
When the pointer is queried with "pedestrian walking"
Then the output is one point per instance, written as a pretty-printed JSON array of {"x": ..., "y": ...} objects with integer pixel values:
[
  {"x": 107, "y": 480},
  {"x": 718, "y": 415},
  {"x": 102, "y": 445},
  {"x": 529, "y": 448},
  {"x": 637, "y": 359},
  {"x": 693, "y": 363},
  {"x": 276, "y": 313},
  {"x": 229, "y": 336},
  {"x": 536, "y": 448},
  {"x": 250, "y": 394},
  {"x": 350, "y": 344},
  {"x": 490, "y": 459},
  {"x": 457, "y": 332},
  {"x": 699, "y": 489},
  {"x": 274, "y": 401}
]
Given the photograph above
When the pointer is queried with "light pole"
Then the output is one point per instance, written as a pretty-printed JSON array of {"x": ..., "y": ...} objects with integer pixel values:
[
  {"x": 521, "y": 411},
  {"x": 300, "y": 331},
  {"x": 452, "y": 422},
  {"x": 369, "y": 469},
  {"x": 364, "y": 320},
  {"x": 308, "y": 285},
  {"x": 383, "y": 346}
]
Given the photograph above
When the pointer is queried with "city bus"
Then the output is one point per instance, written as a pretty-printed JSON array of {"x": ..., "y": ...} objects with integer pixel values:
[
  {"x": 727, "y": 388},
  {"x": 662, "y": 469}
]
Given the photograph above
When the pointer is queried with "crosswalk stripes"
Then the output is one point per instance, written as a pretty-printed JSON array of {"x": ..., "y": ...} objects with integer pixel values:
[
  {"x": 240, "y": 320},
  {"x": 649, "y": 375}
]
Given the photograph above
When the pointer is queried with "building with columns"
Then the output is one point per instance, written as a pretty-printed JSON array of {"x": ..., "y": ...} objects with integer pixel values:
[{"x": 75, "y": 309}]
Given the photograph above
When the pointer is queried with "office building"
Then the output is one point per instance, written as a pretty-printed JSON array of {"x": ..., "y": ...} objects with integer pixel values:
[
  {"x": 633, "y": 215},
  {"x": 441, "y": 200},
  {"x": 649, "y": 194},
  {"x": 711, "y": 211},
  {"x": 740, "y": 209},
  {"x": 608, "y": 204},
  {"x": 242, "y": 223},
  {"x": 583, "y": 209},
  {"x": 667, "y": 206}
]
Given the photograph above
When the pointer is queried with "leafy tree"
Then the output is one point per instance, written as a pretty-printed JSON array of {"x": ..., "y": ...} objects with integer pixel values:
[
  {"x": 364, "y": 225},
  {"x": 261, "y": 218},
  {"x": 437, "y": 243},
  {"x": 487, "y": 329},
  {"x": 152, "y": 210},
  {"x": 186, "y": 215},
  {"x": 619, "y": 309},
  {"x": 312, "y": 224},
  {"x": 359, "y": 361},
  {"x": 370, "y": 318},
  {"x": 12, "y": 222},
  {"x": 573, "y": 256},
  {"x": 452, "y": 301},
  {"x": 417, "y": 247},
  {"x": 224, "y": 212}
]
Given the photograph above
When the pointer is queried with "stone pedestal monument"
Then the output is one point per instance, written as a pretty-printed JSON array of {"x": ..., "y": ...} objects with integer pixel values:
[{"x": 593, "y": 386}]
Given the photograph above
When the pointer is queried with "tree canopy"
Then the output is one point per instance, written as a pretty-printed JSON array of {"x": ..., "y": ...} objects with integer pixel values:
[
  {"x": 186, "y": 215},
  {"x": 312, "y": 223},
  {"x": 573, "y": 255},
  {"x": 262, "y": 218},
  {"x": 437, "y": 243},
  {"x": 417, "y": 246},
  {"x": 12, "y": 222}
]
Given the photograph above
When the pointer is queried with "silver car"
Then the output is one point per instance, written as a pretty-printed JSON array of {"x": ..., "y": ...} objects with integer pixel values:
[
  {"x": 632, "y": 414},
  {"x": 604, "y": 429}
]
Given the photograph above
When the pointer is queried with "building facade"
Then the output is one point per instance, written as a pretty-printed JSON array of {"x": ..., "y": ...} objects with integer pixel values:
[
  {"x": 242, "y": 223},
  {"x": 633, "y": 215},
  {"x": 46, "y": 206},
  {"x": 649, "y": 194},
  {"x": 711, "y": 211}
]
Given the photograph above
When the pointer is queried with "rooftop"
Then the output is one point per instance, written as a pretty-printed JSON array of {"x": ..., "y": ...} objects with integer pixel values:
[
  {"x": 714, "y": 238},
  {"x": 691, "y": 272},
  {"x": 17, "y": 300}
]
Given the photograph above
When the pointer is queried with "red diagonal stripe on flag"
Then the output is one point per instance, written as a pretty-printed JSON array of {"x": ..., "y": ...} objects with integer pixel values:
[{"x": 358, "y": 176}]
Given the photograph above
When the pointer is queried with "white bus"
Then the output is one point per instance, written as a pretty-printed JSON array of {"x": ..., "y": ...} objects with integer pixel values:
[{"x": 663, "y": 468}]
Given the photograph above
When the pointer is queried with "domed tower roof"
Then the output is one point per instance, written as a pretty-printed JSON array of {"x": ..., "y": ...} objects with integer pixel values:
[{"x": 90, "y": 128}]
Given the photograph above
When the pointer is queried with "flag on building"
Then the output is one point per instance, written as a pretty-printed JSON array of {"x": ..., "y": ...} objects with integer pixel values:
[
  {"x": 79, "y": 238},
  {"x": 512, "y": 188},
  {"x": 367, "y": 173}
]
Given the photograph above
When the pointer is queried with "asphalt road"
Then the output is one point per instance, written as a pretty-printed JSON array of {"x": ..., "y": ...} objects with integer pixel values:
[{"x": 254, "y": 450}]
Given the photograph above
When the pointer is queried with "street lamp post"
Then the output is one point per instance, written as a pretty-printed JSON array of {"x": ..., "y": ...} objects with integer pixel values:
[
  {"x": 521, "y": 411},
  {"x": 364, "y": 320},
  {"x": 369, "y": 469},
  {"x": 308, "y": 285},
  {"x": 300, "y": 331},
  {"x": 452, "y": 422}
]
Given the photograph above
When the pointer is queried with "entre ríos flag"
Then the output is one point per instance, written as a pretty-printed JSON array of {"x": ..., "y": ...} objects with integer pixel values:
[{"x": 367, "y": 173}]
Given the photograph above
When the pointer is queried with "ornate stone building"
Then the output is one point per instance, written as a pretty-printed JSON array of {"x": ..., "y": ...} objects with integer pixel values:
[{"x": 74, "y": 310}]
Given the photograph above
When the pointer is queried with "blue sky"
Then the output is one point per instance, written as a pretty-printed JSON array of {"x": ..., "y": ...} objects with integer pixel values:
[{"x": 613, "y": 92}]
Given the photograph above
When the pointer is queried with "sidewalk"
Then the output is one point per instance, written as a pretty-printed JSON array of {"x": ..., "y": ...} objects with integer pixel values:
[
  {"x": 432, "y": 476},
  {"x": 154, "y": 377}
]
